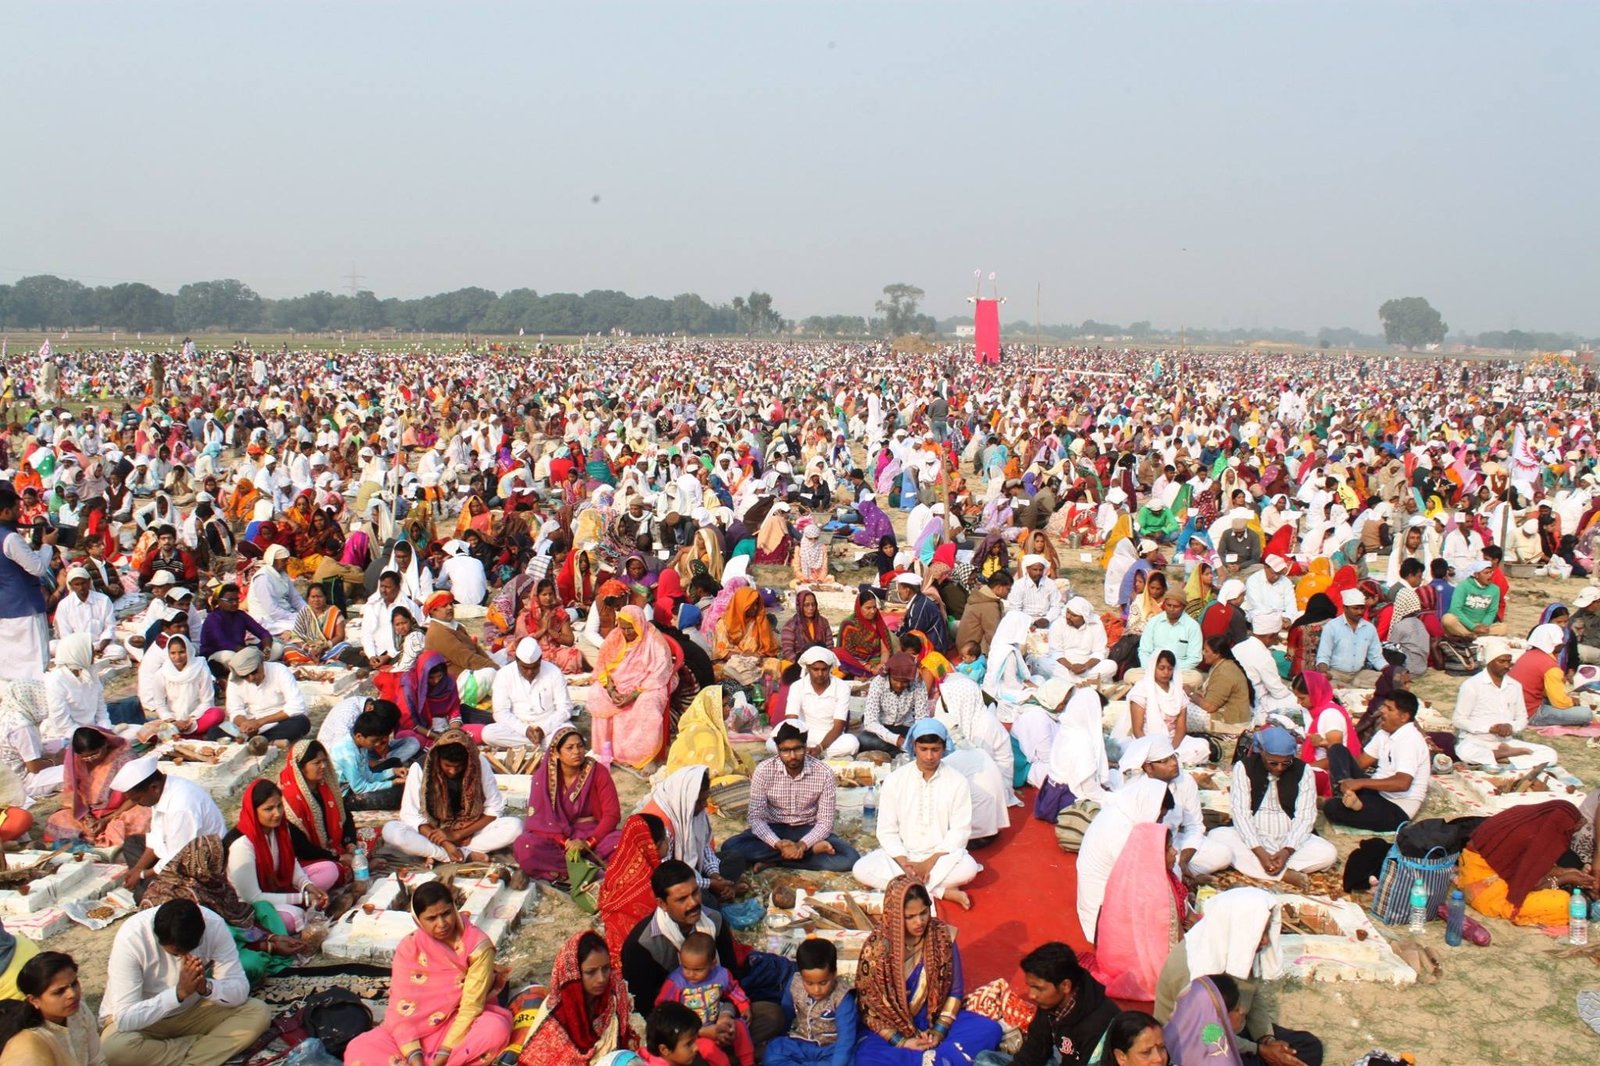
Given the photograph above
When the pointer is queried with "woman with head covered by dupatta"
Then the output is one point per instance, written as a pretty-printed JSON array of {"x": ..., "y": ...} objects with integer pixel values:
[
  {"x": 909, "y": 986},
  {"x": 573, "y": 804},
  {"x": 585, "y": 1017},
  {"x": 632, "y": 684}
]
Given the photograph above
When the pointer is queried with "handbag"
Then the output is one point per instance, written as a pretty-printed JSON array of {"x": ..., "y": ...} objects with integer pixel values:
[
  {"x": 1391, "y": 899},
  {"x": 1073, "y": 822},
  {"x": 583, "y": 880}
]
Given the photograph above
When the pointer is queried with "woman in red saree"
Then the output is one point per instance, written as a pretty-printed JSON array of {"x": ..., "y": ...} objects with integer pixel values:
[
  {"x": 320, "y": 829},
  {"x": 545, "y": 621},
  {"x": 441, "y": 988},
  {"x": 864, "y": 644},
  {"x": 91, "y": 810},
  {"x": 625, "y": 895},
  {"x": 632, "y": 684},
  {"x": 586, "y": 1014}
]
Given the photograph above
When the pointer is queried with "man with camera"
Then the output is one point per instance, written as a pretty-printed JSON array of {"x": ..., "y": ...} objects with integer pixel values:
[{"x": 24, "y": 624}]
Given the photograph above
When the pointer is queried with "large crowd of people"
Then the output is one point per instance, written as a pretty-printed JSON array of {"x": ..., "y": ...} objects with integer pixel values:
[{"x": 616, "y": 557}]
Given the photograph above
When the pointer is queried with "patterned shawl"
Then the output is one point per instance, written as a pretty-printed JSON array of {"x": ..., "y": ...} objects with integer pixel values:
[
  {"x": 436, "y": 788},
  {"x": 569, "y": 1029},
  {"x": 199, "y": 872},
  {"x": 881, "y": 972}
]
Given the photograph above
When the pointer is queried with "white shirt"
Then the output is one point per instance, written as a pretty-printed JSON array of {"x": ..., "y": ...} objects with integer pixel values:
[
  {"x": 242, "y": 873},
  {"x": 340, "y": 721},
  {"x": 413, "y": 811},
  {"x": 1481, "y": 704},
  {"x": 278, "y": 691},
  {"x": 1260, "y": 596},
  {"x": 1042, "y": 600},
  {"x": 520, "y": 704},
  {"x": 464, "y": 577},
  {"x": 1077, "y": 644},
  {"x": 377, "y": 625},
  {"x": 1405, "y": 751},
  {"x": 19, "y": 551},
  {"x": 919, "y": 816},
  {"x": 142, "y": 978},
  {"x": 1272, "y": 694},
  {"x": 274, "y": 602},
  {"x": 1270, "y": 826},
  {"x": 819, "y": 710},
  {"x": 92, "y": 615},
  {"x": 72, "y": 703},
  {"x": 184, "y": 811}
]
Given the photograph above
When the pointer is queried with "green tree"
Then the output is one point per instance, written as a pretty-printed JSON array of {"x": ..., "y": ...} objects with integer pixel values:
[
  {"x": 899, "y": 307},
  {"x": 1411, "y": 321},
  {"x": 229, "y": 303},
  {"x": 135, "y": 305}
]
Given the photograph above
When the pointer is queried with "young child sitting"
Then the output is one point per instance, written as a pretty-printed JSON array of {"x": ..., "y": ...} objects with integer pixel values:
[
  {"x": 670, "y": 1036},
  {"x": 706, "y": 987},
  {"x": 973, "y": 662},
  {"x": 824, "y": 1012}
]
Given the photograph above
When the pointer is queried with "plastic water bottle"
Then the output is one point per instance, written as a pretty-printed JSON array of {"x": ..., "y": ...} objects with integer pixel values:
[
  {"x": 1419, "y": 906},
  {"x": 1455, "y": 918},
  {"x": 1578, "y": 920},
  {"x": 358, "y": 865},
  {"x": 869, "y": 807}
]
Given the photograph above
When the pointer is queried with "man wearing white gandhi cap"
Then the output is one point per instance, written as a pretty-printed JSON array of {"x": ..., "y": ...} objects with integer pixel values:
[
  {"x": 530, "y": 700},
  {"x": 1155, "y": 757},
  {"x": 1491, "y": 711},
  {"x": 85, "y": 610},
  {"x": 1034, "y": 593}
]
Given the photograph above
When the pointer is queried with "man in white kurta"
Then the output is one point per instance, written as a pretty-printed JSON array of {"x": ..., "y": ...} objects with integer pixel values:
[
  {"x": 530, "y": 700},
  {"x": 1269, "y": 589},
  {"x": 24, "y": 624},
  {"x": 180, "y": 811},
  {"x": 1078, "y": 646},
  {"x": 83, "y": 610},
  {"x": 377, "y": 621},
  {"x": 1035, "y": 593},
  {"x": 1490, "y": 712},
  {"x": 924, "y": 821},
  {"x": 463, "y": 575},
  {"x": 1155, "y": 757},
  {"x": 1254, "y": 655},
  {"x": 274, "y": 602},
  {"x": 410, "y": 832},
  {"x": 1266, "y": 841}
]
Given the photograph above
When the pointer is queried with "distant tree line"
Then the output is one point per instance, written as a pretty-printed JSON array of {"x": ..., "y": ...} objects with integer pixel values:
[{"x": 46, "y": 302}]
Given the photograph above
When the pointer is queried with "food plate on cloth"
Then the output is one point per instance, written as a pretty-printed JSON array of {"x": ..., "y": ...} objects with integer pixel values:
[
  {"x": 99, "y": 913},
  {"x": 1334, "y": 940}
]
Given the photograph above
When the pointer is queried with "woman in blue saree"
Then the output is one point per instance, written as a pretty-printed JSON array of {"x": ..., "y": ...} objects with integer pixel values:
[{"x": 909, "y": 987}]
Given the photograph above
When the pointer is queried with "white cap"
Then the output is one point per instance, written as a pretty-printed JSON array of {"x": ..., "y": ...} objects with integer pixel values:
[
  {"x": 454, "y": 547},
  {"x": 817, "y": 654},
  {"x": 1353, "y": 598},
  {"x": 1231, "y": 590},
  {"x": 1266, "y": 623},
  {"x": 1278, "y": 563},
  {"x": 76, "y": 572},
  {"x": 1494, "y": 647},
  {"x": 161, "y": 579},
  {"x": 1116, "y": 497},
  {"x": 1586, "y": 597},
  {"x": 528, "y": 651},
  {"x": 134, "y": 773},
  {"x": 908, "y": 579},
  {"x": 1147, "y": 545}
]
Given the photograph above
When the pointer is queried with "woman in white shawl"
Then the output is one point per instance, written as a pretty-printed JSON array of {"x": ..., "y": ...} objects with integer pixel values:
[
  {"x": 680, "y": 801},
  {"x": 1006, "y": 677},
  {"x": 273, "y": 599},
  {"x": 1237, "y": 936},
  {"x": 24, "y": 705},
  {"x": 186, "y": 693},
  {"x": 416, "y": 584},
  {"x": 977, "y": 741},
  {"x": 1105, "y": 838},
  {"x": 1123, "y": 556},
  {"x": 1036, "y": 727},
  {"x": 1077, "y": 767},
  {"x": 74, "y": 695}
]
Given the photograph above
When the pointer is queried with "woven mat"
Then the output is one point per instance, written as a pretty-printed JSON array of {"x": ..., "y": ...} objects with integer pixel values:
[{"x": 1323, "y": 883}]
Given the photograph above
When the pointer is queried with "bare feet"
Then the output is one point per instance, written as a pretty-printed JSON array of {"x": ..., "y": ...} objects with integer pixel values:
[
  {"x": 1297, "y": 879},
  {"x": 958, "y": 897}
]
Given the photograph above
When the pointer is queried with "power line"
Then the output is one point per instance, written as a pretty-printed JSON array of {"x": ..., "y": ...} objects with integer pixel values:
[{"x": 354, "y": 281}]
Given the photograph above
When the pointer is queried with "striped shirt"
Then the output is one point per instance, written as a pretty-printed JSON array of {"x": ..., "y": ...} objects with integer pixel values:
[
  {"x": 776, "y": 797},
  {"x": 1270, "y": 826}
]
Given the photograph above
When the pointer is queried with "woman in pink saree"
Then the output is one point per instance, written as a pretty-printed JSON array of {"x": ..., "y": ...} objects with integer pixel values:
[
  {"x": 91, "y": 811},
  {"x": 628, "y": 697},
  {"x": 1142, "y": 917},
  {"x": 440, "y": 991}
]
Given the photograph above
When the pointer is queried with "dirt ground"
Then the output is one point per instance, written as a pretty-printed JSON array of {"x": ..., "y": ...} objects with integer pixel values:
[{"x": 1509, "y": 1003}]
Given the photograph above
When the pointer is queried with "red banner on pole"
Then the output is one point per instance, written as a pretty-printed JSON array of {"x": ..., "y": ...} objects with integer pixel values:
[{"x": 986, "y": 331}]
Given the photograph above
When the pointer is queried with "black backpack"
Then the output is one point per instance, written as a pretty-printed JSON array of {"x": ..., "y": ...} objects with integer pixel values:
[{"x": 336, "y": 1016}]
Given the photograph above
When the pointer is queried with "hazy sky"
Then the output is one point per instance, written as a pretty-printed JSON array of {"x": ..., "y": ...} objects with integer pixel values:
[{"x": 1215, "y": 164}]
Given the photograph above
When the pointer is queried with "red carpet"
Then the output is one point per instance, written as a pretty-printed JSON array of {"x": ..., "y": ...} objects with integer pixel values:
[{"x": 1026, "y": 895}]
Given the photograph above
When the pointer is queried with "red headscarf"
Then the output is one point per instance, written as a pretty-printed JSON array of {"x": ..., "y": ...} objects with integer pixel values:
[
  {"x": 1523, "y": 844},
  {"x": 271, "y": 878},
  {"x": 669, "y": 590},
  {"x": 324, "y": 825}
]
